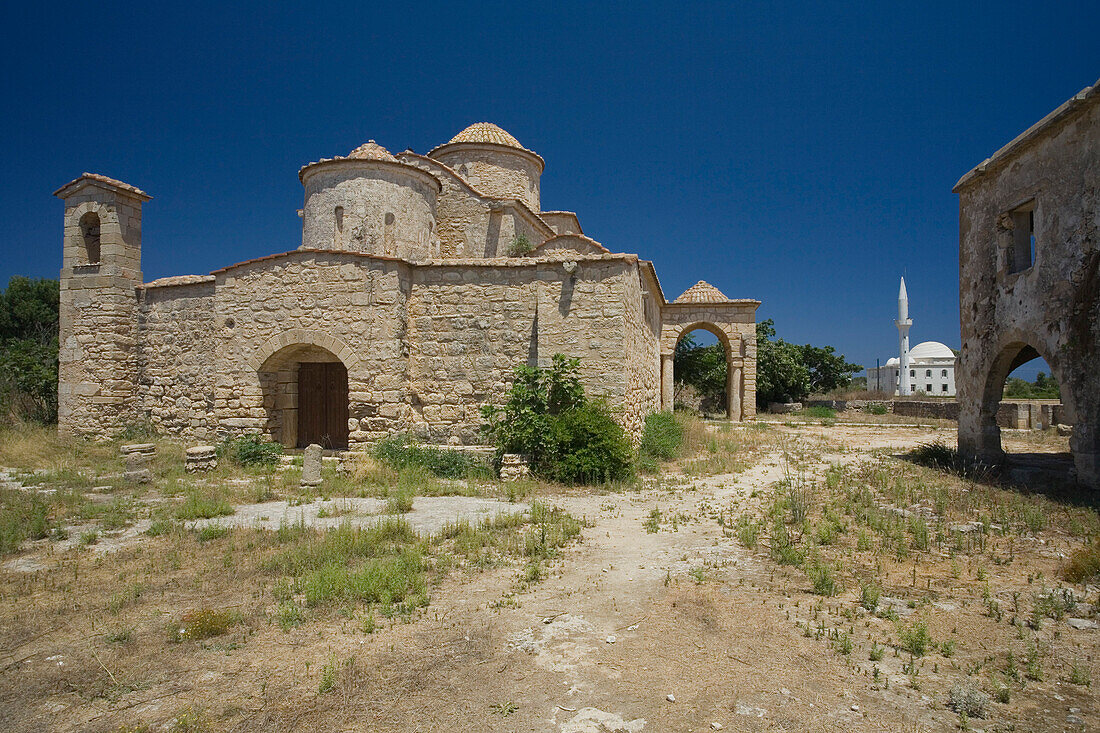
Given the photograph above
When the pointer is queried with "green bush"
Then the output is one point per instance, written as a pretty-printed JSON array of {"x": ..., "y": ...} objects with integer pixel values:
[
  {"x": 251, "y": 450},
  {"x": 400, "y": 451},
  {"x": 564, "y": 436},
  {"x": 819, "y": 411},
  {"x": 589, "y": 446},
  {"x": 875, "y": 408},
  {"x": 662, "y": 437}
]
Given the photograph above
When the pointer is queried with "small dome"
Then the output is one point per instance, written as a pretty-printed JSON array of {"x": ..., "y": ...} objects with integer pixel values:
[
  {"x": 486, "y": 132},
  {"x": 893, "y": 361},
  {"x": 931, "y": 350},
  {"x": 702, "y": 292},
  {"x": 370, "y": 150}
]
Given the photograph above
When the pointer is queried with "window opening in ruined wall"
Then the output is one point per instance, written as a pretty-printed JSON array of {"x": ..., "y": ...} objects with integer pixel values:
[
  {"x": 1022, "y": 254},
  {"x": 89, "y": 232},
  {"x": 338, "y": 235}
]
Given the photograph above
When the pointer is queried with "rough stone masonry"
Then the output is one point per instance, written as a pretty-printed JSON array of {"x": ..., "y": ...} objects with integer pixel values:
[
  {"x": 420, "y": 283},
  {"x": 1029, "y": 275}
]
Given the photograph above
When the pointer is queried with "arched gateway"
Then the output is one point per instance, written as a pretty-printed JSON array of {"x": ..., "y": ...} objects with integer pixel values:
[{"x": 733, "y": 322}]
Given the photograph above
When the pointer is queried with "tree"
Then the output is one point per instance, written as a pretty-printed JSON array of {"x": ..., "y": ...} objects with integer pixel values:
[
  {"x": 28, "y": 349},
  {"x": 828, "y": 369},
  {"x": 781, "y": 372},
  {"x": 1043, "y": 387},
  {"x": 701, "y": 367}
]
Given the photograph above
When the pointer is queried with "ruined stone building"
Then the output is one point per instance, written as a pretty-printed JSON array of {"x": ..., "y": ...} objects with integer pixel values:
[
  {"x": 420, "y": 283},
  {"x": 1029, "y": 274}
]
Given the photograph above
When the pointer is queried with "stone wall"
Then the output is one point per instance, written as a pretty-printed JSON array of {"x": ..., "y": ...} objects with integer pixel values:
[
  {"x": 472, "y": 225},
  {"x": 499, "y": 172},
  {"x": 369, "y": 206},
  {"x": 351, "y": 306},
  {"x": 642, "y": 349},
  {"x": 176, "y": 327},
  {"x": 1013, "y": 308},
  {"x": 468, "y": 328}
]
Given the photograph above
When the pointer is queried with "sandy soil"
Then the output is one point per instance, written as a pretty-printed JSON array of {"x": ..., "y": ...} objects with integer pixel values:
[{"x": 682, "y": 629}]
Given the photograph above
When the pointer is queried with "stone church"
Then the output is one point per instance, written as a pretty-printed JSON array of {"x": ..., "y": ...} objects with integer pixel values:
[{"x": 420, "y": 283}]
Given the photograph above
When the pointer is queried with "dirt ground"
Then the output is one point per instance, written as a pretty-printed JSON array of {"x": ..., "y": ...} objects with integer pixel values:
[{"x": 684, "y": 628}]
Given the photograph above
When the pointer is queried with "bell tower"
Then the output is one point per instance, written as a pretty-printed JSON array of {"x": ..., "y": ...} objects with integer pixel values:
[{"x": 100, "y": 276}]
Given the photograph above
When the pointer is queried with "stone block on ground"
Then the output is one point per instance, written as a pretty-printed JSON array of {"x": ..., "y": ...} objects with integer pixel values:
[
  {"x": 311, "y": 465},
  {"x": 147, "y": 450},
  {"x": 201, "y": 458},
  {"x": 136, "y": 471},
  {"x": 513, "y": 467}
]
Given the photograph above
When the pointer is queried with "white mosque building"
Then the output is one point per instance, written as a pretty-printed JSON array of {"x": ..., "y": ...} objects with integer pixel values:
[{"x": 928, "y": 368}]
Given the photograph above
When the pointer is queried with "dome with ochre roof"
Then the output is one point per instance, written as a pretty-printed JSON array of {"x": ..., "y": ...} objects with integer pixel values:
[
  {"x": 702, "y": 292},
  {"x": 486, "y": 132},
  {"x": 370, "y": 150}
]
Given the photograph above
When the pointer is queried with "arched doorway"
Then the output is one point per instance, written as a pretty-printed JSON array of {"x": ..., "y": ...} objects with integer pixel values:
[
  {"x": 711, "y": 363},
  {"x": 1015, "y": 396},
  {"x": 305, "y": 389}
]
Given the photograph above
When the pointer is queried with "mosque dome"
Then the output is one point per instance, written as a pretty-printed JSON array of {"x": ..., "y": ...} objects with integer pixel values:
[
  {"x": 927, "y": 350},
  {"x": 702, "y": 292},
  {"x": 893, "y": 361},
  {"x": 370, "y": 150},
  {"x": 486, "y": 132}
]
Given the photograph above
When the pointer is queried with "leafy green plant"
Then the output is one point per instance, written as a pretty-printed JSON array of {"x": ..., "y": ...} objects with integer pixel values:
[
  {"x": 400, "y": 451},
  {"x": 662, "y": 437},
  {"x": 520, "y": 245},
  {"x": 869, "y": 594},
  {"x": 565, "y": 437},
  {"x": 589, "y": 446},
  {"x": 250, "y": 450},
  {"x": 821, "y": 575},
  {"x": 28, "y": 349},
  {"x": 915, "y": 639}
]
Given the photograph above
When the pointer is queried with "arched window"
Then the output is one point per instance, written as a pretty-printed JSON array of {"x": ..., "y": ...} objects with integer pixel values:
[
  {"x": 89, "y": 234},
  {"x": 337, "y": 235},
  {"x": 388, "y": 234}
]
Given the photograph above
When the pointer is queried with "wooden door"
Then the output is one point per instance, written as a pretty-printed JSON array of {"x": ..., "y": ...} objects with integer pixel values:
[{"x": 323, "y": 404}]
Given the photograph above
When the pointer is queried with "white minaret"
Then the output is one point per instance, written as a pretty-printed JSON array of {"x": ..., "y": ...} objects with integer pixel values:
[{"x": 903, "y": 323}]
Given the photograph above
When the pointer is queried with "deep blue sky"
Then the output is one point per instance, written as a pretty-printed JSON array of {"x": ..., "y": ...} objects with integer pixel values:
[{"x": 799, "y": 154}]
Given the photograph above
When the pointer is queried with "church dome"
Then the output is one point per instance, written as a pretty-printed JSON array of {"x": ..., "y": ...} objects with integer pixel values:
[
  {"x": 370, "y": 150},
  {"x": 486, "y": 132},
  {"x": 931, "y": 350},
  {"x": 702, "y": 292}
]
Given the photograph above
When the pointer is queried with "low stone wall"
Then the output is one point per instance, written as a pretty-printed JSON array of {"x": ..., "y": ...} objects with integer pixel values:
[
  {"x": 1019, "y": 415},
  {"x": 937, "y": 409},
  {"x": 842, "y": 405}
]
